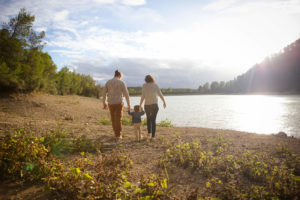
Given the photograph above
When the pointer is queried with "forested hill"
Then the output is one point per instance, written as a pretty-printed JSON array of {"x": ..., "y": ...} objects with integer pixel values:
[
  {"x": 279, "y": 73},
  {"x": 24, "y": 67}
]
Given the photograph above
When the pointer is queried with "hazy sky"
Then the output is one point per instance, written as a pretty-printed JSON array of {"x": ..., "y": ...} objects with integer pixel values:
[{"x": 182, "y": 43}]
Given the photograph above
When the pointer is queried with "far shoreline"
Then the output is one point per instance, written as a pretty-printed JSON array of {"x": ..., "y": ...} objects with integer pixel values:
[{"x": 223, "y": 94}]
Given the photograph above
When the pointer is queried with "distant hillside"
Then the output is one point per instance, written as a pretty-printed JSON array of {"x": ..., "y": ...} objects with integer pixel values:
[{"x": 278, "y": 73}]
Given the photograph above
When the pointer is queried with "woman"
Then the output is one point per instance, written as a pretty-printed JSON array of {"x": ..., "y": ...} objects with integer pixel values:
[
  {"x": 115, "y": 89},
  {"x": 150, "y": 91}
]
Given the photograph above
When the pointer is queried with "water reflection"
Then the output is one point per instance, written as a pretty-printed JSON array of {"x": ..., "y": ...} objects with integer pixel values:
[{"x": 251, "y": 113}]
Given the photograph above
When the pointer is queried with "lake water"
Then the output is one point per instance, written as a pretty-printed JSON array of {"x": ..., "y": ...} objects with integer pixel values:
[{"x": 252, "y": 113}]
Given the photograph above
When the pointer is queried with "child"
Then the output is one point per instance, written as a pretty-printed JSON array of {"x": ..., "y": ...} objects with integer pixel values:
[{"x": 136, "y": 120}]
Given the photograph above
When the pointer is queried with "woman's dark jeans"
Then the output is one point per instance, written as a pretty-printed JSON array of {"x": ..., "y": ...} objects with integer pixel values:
[{"x": 151, "y": 113}]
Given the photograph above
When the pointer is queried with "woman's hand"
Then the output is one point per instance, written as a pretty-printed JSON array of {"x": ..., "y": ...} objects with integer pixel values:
[{"x": 165, "y": 105}]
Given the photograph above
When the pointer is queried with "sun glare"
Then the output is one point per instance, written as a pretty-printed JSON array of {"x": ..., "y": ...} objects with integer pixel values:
[{"x": 258, "y": 113}]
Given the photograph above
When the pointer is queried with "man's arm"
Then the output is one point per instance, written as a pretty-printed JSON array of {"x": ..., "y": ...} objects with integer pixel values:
[
  {"x": 104, "y": 96},
  {"x": 126, "y": 94}
]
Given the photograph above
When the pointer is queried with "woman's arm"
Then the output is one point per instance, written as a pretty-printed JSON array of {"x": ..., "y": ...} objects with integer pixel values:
[{"x": 161, "y": 96}]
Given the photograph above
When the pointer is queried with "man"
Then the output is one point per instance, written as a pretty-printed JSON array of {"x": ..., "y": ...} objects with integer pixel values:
[{"x": 115, "y": 89}]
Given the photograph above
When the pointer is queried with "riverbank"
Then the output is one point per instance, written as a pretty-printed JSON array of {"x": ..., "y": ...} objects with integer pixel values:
[{"x": 38, "y": 114}]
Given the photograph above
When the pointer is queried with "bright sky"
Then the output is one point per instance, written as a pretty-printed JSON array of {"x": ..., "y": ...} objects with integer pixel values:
[{"x": 182, "y": 43}]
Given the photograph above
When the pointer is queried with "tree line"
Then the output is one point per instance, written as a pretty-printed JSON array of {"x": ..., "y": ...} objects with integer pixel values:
[
  {"x": 167, "y": 91},
  {"x": 24, "y": 67}
]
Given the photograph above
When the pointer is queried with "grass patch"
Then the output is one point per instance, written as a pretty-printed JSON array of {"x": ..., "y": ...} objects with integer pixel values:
[
  {"x": 165, "y": 123},
  {"x": 126, "y": 121},
  {"x": 105, "y": 121},
  {"x": 144, "y": 121}
]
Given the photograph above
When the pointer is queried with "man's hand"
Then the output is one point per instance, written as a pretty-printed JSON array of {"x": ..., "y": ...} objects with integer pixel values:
[
  {"x": 104, "y": 106},
  {"x": 141, "y": 108},
  {"x": 128, "y": 107}
]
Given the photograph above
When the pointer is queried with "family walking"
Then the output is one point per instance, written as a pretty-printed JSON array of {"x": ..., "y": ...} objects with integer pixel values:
[{"x": 113, "y": 92}]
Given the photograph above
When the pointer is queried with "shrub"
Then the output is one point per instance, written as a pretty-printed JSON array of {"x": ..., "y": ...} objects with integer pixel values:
[
  {"x": 62, "y": 143},
  {"x": 77, "y": 182},
  {"x": 23, "y": 156},
  {"x": 108, "y": 181},
  {"x": 105, "y": 121},
  {"x": 165, "y": 123},
  {"x": 83, "y": 144},
  {"x": 126, "y": 121},
  {"x": 191, "y": 155},
  {"x": 144, "y": 121}
]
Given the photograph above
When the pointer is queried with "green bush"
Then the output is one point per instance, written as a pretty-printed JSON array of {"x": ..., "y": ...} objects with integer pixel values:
[
  {"x": 83, "y": 144},
  {"x": 58, "y": 141},
  {"x": 23, "y": 156},
  {"x": 144, "y": 121},
  {"x": 62, "y": 143},
  {"x": 105, "y": 121},
  {"x": 109, "y": 180},
  {"x": 126, "y": 121},
  {"x": 165, "y": 123}
]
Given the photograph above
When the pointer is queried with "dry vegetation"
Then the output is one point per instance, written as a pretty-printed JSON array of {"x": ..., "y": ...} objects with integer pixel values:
[{"x": 44, "y": 157}]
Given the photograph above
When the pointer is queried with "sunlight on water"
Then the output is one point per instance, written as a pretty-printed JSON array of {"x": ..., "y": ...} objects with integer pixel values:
[
  {"x": 252, "y": 113},
  {"x": 257, "y": 113}
]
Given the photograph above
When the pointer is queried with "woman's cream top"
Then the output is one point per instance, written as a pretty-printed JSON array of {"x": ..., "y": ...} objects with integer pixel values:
[{"x": 150, "y": 91}]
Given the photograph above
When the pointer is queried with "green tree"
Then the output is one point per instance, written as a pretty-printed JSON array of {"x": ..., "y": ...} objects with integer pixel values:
[
  {"x": 21, "y": 25},
  {"x": 64, "y": 80},
  {"x": 206, "y": 87},
  {"x": 49, "y": 74},
  {"x": 21, "y": 60},
  {"x": 11, "y": 56},
  {"x": 214, "y": 86}
]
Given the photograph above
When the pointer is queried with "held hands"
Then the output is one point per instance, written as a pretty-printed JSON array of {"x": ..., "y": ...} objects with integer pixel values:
[
  {"x": 141, "y": 108},
  {"x": 105, "y": 106}
]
